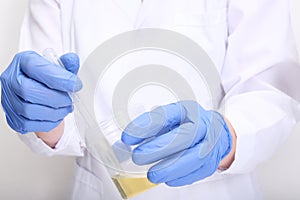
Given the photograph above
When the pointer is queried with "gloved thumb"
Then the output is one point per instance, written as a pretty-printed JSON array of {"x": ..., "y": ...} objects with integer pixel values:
[{"x": 71, "y": 62}]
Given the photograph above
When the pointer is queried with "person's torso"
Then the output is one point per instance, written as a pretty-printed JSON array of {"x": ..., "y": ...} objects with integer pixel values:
[{"x": 87, "y": 24}]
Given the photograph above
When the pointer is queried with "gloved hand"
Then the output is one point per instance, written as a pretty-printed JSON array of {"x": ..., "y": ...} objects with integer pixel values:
[
  {"x": 35, "y": 91},
  {"x": 188, "y": 141}
]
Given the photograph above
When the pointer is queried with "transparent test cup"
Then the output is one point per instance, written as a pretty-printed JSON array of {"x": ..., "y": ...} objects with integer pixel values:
[{"x": 103, "y": 140}]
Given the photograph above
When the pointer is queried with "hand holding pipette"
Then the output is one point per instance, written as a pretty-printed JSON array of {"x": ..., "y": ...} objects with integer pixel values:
[{"x": 35, "y": 92}]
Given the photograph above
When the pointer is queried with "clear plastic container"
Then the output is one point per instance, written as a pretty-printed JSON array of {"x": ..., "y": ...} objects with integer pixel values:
[
  {"x": 103, "y": 139},
  {"x": 182, "y": 67},
  {"x": 103, "y": 142}
]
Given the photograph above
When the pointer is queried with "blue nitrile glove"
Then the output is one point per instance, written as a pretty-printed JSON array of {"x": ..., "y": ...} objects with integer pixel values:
[
  {"x": 188, "y": 141},
  {"x": 35, "y": 91}
]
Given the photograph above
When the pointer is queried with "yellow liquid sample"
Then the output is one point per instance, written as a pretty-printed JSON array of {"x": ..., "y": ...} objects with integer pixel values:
[{"x": 131, "y": 186}]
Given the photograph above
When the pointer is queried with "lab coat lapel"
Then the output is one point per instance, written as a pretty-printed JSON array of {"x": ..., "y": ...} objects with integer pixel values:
[
  {"x": 136, "y": 11},
  {"x": 129, "y": 9},
  {"x": 145, "y": 9}
]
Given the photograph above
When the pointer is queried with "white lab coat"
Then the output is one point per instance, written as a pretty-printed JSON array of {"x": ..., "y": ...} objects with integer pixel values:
[{"x": 248, "y": 41}]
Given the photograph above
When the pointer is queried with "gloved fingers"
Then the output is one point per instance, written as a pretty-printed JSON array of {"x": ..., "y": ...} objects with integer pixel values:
[
  {"x": 217, "y": 130},
  {"x": 178, "y": 139},
  {"x": 40, "y": 112},
  {"x": 199, "y": 174},
  {"x": 71, "y": 62},
  {"x": 40, "y": 126},
  {"x": 181, "y": 165},
  {"x": 35, "y": 111},
  {"x": 38, "y": 93},
  {"x": 42, "y": 70},
  {"x": 209, "y": 166},
  {"x": 154, "y": 123},
  {"x": 122, "y": 151},
  {"x": 175, "y": 166},
  {"x": 23, "y": 125},
  {"x": 195, "y": 113}
]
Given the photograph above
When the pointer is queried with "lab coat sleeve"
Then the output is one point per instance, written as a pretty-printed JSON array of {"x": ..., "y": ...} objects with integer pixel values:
[
  {"x": 260, "y": 78},
  {"x": 41, "y": 26},
  {"x": 41, "y": 29}
]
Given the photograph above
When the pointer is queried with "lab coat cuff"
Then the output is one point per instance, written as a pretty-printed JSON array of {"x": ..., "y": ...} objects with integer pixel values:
[
  {"x": 244, "y": 145},
  {"x": 69, "y": 144},
  {"x": 249, "y": 125},
  {"x": 36, "y": 144}
]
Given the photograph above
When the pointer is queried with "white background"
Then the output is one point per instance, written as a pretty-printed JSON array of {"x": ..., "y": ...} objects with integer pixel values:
[{"x": 24, "y": 175}]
